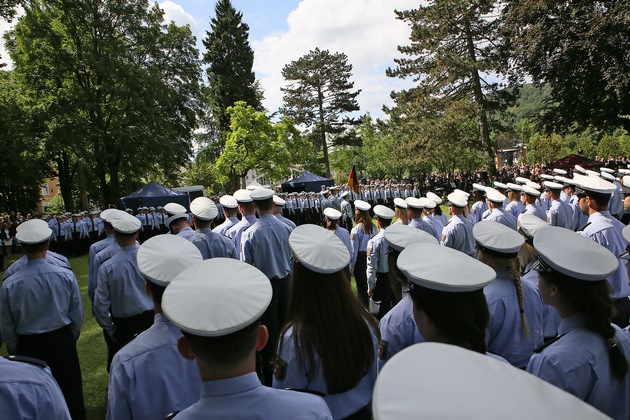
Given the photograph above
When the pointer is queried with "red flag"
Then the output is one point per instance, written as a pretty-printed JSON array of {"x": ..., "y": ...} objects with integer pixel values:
[{"x": 352, "y": 180}]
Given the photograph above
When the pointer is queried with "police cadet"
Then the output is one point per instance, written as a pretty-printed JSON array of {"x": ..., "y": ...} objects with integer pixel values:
[
  {"x": 346, "y": 212},
  {"x": 121, "y": 306},
  {"x": 589, "y": 358},
  {"x": 559, "y": 213},
  {"x": 378, "y": 287},
  {"x": 210, "y": 244},
  {"x": 480, "y": 206},
  {"x": 102, "y": 256},
  {"x": 178, "y": 225},
  {"x": 516, "y": 313},
  {"x": 414, "y": 385},
  {"x": 530, "y": 195},
  {"x": 400, "y": 208},
  {"x": 594, "y": 194},
  {"x": 360, "y": 234},
  {"x": 29, "y": 391},
  {"x": 414, "y": 209},
  {"x": 515, "y": 206},
  {"x": 278, "y": 206},
  {"x": 458, "y": 232},
  {"x": 98, "y": 247},
  {"x": 149, "y": 379},
  {"x": 218, "y": 305},
  {"x": 230, "y": 207},
  {"x": 51, "y": 257},
  {"x": 398, "y": 328},
  {"x": 615, "y": 207},
  {"x": 497, "y": 213},
  {"x": 247, "y": 210},
  {"x": 160, "y": 218},
  {"x": 309, "y": 354},
  {"x": 41, "y": 314},
  {"x": 332, "y": 224},
  {"x": 265, "y": 245}
]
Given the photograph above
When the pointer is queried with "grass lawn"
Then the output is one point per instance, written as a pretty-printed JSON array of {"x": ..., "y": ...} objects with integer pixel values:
[{"x": 91, "y": 348}]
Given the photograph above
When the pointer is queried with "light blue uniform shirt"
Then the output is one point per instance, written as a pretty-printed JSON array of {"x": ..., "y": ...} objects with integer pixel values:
[
  {"x": 99, "y": 259},
  {"x": 95, "y": 248},
  {"x": 606, "y": 231},
  {"x": 458, "y": 234},
  {"x": 359, "y": 241},
  {"x": 532, "y": 209},
  {"x": 311, "y": 378},
  {"x": 437, "y": 223},
  {"x": 120, "y": 288},
  {"x": 289, "y": 222},
  {"x": 504, "y": 336},
  {"x": 579, "y": 218},
  {"x": 551, "y": 317},
  {"x": 245, "y": 398},
  {"x": 30, "y": 392},
  {"x": 418, "y": 223},
  {"x": 579, "y": 363},
  {"x": 499, "y": 215},
  {"x": 223, "y": 227},
  {"x": 560, "y": 214},
  {"x": 38, "y": 299},
  {"x": 212, "y": 245},
  {"x": 377, "y": 261},
  {"x": 398, "y": 330},
  {"x": 265, "y": 245},
  {"x": 477, "y": 210},
  {"x": 236, "y": 231},
  {"x": 515, "y": 208},
  {"x": 187, "y": 232},
  {"x": 344, "y": 235},
  {"x": 149, "y": 379},
  {"x": 616, "y": 201},
  {"x": 51, "y": 258}
]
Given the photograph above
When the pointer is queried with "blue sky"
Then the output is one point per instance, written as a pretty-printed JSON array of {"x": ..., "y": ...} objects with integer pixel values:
[{"x": 283, "y": 30}]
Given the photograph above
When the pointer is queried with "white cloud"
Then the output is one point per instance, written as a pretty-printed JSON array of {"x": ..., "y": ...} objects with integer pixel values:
[
  {"x": 367, "y": 31},
  {"x": 4, "y": 27},
  {"x": 176, "y": 13}
]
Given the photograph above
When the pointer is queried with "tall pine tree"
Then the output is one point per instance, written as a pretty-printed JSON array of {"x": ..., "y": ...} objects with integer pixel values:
[
  {"x": 319, "y": 94},
  {"x": 230, "y": 59}
]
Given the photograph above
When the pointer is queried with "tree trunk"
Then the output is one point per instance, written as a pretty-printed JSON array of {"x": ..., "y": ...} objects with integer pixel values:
[
  {"x": 322, "y": 130},
  {"x": 85, "y": 205},
  {"x": 65, "y": 180}
]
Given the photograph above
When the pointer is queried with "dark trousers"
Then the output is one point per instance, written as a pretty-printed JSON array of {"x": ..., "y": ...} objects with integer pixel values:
[
  {"x": 360, "y": 277},
  {"x": 274, "y": 318},
  {"x": 58, "y": 349},
  {"x": 383, "y": 294},
  {"x": 126, "y": 330},
  {"x": 621, "y": 314}
]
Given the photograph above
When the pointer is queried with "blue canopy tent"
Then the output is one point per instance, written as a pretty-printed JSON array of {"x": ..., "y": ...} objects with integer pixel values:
[
  {"x": 153, "y": 195},
  {"x": 308, "y": 181}
]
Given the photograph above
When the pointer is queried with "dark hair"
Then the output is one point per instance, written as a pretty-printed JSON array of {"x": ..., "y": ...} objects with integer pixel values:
[
  {"x": 248, "y": 207},
  {"x": 593, "y": 300},
  {"x": 35, "y": 248},
  {"x": 384, "y": 222},
  {"x": 601, "y": 200},
  {"x": 461, "y": 318},
  {"x": 264, "y": 205},
  {"x": 396, "y": 278},
  {"x": 364, "y": 218},
  {"x": 336, "y": 328},
  {"x": 203, "y": 224},
  {"x": 331, "y": 224},
  {"x": 437, "y": 210},
  {"x": 156, "y": 291},
  {"x": 225, "y": 351}
]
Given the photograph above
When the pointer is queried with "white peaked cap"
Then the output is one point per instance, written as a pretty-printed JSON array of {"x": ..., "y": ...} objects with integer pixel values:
[
  {"x": 203, "y": 208},
  {"x": 384, "y": 212},
  {"x": 331, "y": 213},
  {"x": 125, "y": 223},
  {"x": 433, "y": 196},
  {"x": 442, "y": 268},
  {"x": 399, "y": 236},
  {"x": 318, "y": 249},
  {"x": 415, "y": 203},
  {"x": 457, "y": 200},
  {"x": 494, "y": 195},
  {"x": 497, "y": 237},
  {"x": 33, "y": 231},
  {"x": 217, "y": 297},
  {"x": 242, "y": 196},
  {"x": 260, "y": 194},
  {"x": 174, "y": 208},
  {"x": 228, "y": 201},
  {"x": 362, "y": 205},
  {"x": 278, "y": 201},
  {"x": 162, "y": 257},
  {"x": 399, "y": 202},
  {"x": 529, "y": 225},
  {"x": 574, "y": 255},
  {"x": 442, "y": 381}
]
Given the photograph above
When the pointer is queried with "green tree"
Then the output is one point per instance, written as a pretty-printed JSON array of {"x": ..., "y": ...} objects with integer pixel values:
[
  {"x": 544, "y": 148},
  {"x": 453, "y": 48},
  {"x": 230, "y": 59},
  {"x": 319, "y": 95},
  {"x": 254, "y": 143},
  {"x": 609, "y": 146},
  {"x": 580, "y": 49},
  {"x": 114, "y": 88}
]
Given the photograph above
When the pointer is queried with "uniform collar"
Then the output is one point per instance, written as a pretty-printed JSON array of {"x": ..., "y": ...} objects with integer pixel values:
[
  {"x": 223, "y": 387},
  {"x": 570, "y": 323}
]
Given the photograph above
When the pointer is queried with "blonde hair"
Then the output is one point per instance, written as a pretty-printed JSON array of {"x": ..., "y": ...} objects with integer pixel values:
[
  {"x": 512, "y": 266},
  {"x": 526, "y": 255},
  {"x": 402, "y": 215}
]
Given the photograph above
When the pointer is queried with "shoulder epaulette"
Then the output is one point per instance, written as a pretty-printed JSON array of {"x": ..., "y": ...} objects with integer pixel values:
[
  {"x": 583, "y": 227},
  {"x": 29, "y": 360},
  {"x": 548, "y": 343},
  {"x": 170, "y": 416}
]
